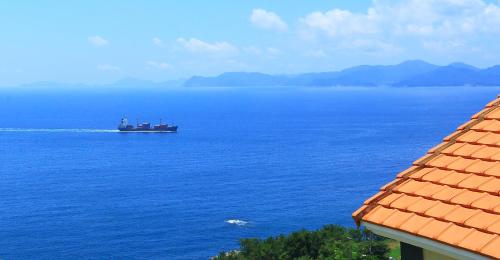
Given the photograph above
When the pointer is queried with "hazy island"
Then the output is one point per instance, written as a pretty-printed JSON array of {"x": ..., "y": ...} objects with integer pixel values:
[
  {"x": 406, "y": 74},
  {"x": 413, "y": 73}
]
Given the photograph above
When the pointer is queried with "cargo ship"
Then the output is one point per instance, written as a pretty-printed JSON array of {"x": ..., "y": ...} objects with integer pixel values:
[{"x": 145, "y": 127}]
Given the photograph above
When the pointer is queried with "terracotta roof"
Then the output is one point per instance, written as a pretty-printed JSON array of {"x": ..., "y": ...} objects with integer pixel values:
[{"x": 451, "y": 194}]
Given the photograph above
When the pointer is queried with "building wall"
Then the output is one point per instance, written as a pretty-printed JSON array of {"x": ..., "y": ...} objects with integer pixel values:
[
  {"x": 431, "y": 255},
  {"x": 412, "y": 252}
]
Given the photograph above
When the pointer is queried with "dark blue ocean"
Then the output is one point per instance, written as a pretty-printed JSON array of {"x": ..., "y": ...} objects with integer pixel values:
[{"x": 278, "y": 159}]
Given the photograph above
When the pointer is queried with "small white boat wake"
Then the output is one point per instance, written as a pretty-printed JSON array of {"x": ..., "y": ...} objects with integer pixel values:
[
  {"x": 59, "y": 130},
  {"x": 237, "y": 222}
]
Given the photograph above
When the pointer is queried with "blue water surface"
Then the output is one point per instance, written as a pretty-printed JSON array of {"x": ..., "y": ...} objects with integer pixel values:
[{"x": 281, "y": 159}]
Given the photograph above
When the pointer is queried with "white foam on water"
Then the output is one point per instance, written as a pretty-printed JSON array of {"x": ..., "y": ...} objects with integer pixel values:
[
  {"x": 237, "y": 222},
  {"x": 60, "y": 130}
]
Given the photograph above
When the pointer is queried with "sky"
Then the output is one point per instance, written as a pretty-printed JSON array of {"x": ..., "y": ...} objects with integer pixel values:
[{"x": 95, "y": 42}]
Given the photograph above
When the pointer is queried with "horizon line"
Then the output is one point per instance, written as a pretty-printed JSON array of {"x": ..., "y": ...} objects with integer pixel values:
[{"x": 183, "y": 79}]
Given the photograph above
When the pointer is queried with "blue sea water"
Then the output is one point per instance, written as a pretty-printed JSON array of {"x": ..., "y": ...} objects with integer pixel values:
[{"x": 279, "y": 159}]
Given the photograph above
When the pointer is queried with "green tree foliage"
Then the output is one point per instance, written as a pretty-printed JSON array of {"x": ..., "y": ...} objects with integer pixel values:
[{"x": 331, "y": 242}]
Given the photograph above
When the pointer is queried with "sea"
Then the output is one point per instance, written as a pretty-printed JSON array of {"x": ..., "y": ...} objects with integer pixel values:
[{"x": 246, "y": 162}]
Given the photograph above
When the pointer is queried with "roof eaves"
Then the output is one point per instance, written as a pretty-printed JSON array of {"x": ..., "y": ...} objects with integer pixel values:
[{"x": 423, "y": 242}]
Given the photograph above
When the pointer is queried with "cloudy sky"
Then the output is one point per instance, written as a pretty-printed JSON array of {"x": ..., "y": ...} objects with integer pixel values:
[{"x": 95, "y": 41}]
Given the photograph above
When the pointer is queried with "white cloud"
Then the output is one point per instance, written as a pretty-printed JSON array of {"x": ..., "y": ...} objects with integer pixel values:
[
  {"x": 98, "y": 41},
  {"x": 273, "y": 51},
  {"x": 433, "y": 17},
  {"x": 267, "y": 20},
  {"x": 491, "y": 16},
  {"x": 450, "y": 46},
  {"x": 338, "y": 22},
  {"x": 199, "y": 46},
  {"x": 387, "y": 25},
  {"x": 108, "y": 67},
  {"x": 315, "y": 54},
  {"x": 371, "y": 46},
  {"x": 158, "y": 42},
  {"x": 159, "y": 65},
  {"x": 408, "y": 17},
  {"x": 263, "y": 52},
  {"x": 252, "y": 50}
]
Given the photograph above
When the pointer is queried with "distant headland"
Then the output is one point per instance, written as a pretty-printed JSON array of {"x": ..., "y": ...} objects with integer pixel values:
[
  {"x": 409, "y": 73},
  {"x": 412, "y": 73}
]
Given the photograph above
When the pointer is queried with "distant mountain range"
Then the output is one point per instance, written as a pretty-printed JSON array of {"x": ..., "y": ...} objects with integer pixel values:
[
  {"x": 412, "y": 73},
  {"x": 409, "y": 73}
]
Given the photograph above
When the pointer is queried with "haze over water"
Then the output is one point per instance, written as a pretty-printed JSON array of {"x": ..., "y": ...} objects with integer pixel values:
[{"x": 249, "y": 162}]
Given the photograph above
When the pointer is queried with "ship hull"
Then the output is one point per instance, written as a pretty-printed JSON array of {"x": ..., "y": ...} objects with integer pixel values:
[
  {"x": 147, "y": 131},
  {"x": 135, "y": 130}
]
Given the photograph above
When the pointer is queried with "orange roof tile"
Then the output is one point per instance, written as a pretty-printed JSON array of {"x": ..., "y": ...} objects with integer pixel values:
[
  {"x": 447, "y": 193},
  {"x": 488, "y": 202},
  {"x": 485, "y": 152},
  {"x": 414, "y": 223},
  {"x": 494, "y": 227},
  {"x": 482, "y": 220},
  {"x": 422, "y": 205},
  {"x": 455, "y": 178},
  {"x": 466, "y": 150},
  {"x": 494, "y": 170},
  {"x": 434, "y": 175},
  {"x": 418, "y": 173},
  {"x": 389, "y": 199},
  {"x": 461, "y": 214},
  {"x": 466, "y": 198},
  {"x": 482, "y": 125},
  {"x": 489, "y": 139},
  {"x": 491, "y": 248},
  {"x": 473, "y": 182},
  {"x": 476, "y": 240},
  {"x": 403, "y": 202},
  {"x": 492, "y": 185},
  {"x": 440, "y": 210},
  {"x": 442, "y": 161},
  {"x": 493, "y": 126},
  {"x": 487, "y": 125},
  {"x": 495, "y": 114},
  {"x": 451, "y": 194},
  {"x": 434, "y": 228},
  {"x": 482, "y": 167},
  {"x": 454, "y": 234},
  {"x": 397, "y": 218}
]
